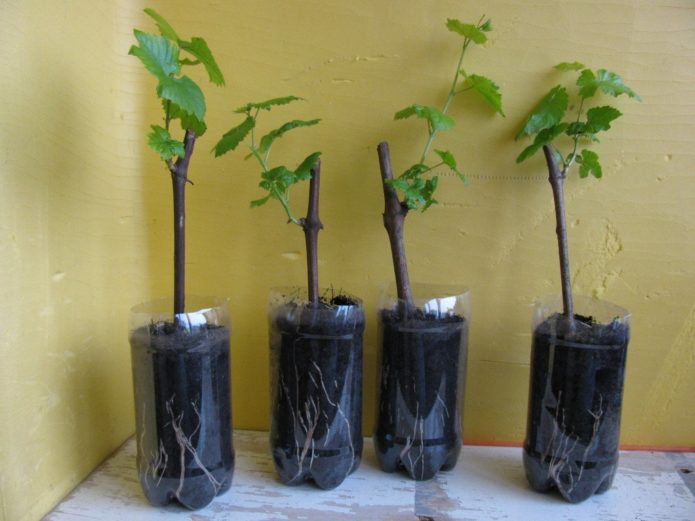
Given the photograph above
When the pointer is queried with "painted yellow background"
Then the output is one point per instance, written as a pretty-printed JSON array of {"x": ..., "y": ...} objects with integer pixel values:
[{"x": 85, "y": 206}]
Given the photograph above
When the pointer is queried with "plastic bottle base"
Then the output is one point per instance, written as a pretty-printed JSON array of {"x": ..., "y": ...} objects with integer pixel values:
[
  {"x": 327, "y": 472},
  {"x": 421, "y": 462},
  {"x": 197, "y": 492}
]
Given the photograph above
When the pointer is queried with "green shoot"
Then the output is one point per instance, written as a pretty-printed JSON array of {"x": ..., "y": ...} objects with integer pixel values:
[
  {"x": 581, "y": 129},
  {"x": 275, "y": 180},
  {"x": 417, "y": 183},
  {"x": 182, "y": 100}
]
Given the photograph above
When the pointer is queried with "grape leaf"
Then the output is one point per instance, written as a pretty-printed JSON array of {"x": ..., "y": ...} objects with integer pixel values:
[
  {"x": 449, "y": 160},
  {"x": 436, "y": 118},
  {"x": 544, "y": 137},
  {"x": 303, "y": 171},
  {"x": 198, "y": 47},
  {"x": 158, "y": 54},
  {"x": 569, "y": 66},
  {"x": 469, "y": 31},
  {"x": 414, "y": 171},
  {"x": 548, "y": 112},
  {"x": 259, "y": 202},
  {"x": 161, "y": 142},
  {"x": 233, "y": 137},
  {"x": 608, "y": 82},
  {"x": 487, "y": 26},
  {"x": 600, "y": 118},
  {"x": 428, "y": 191},
  {"x": 164, "y": 28},
  {"x": 188, "y": 121},
  {"x": 266, "y": 105},
  {"x": 589, "y": 164},
  {"x": 487, "y": 89},
  {"x": 277, "y": 180},
  {"x": 185, "y": 93},
  {"x": 270, "y": 137}
]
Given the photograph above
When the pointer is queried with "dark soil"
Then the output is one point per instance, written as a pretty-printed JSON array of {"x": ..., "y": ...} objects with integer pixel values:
[
  {"x": 183, "y": 412},
  {"x": 423, "y": 368},
  {"x": 575, "y": 400},
  {"x": 316, "y": 375}
]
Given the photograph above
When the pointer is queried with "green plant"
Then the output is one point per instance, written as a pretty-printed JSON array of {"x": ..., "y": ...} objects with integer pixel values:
[
  {"x": 418, "y": 182},
  {"x": 182, "y": 101},
  {"x": 579, "y": 130},
  {"x": 277, "y": 180}
]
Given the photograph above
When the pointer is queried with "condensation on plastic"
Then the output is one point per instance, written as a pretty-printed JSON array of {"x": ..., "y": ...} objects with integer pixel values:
[
  {"x": 316, "y": 387},
  {"x": 575, "y": 397},
  {"x": 182, "y": 395},
  {"x": 421, "y": 363}
]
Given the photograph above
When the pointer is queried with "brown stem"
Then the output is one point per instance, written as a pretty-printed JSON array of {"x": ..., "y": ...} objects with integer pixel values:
[
  {"x": 394, "y": 218},
  {"x": 557, "y": 182},
  {"x": 179, "y": 178},
  {"x": 311, "y": 224}
]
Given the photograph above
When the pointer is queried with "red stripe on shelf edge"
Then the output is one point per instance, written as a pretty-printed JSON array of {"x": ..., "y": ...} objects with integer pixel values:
[{"x": 643, "y": 448}]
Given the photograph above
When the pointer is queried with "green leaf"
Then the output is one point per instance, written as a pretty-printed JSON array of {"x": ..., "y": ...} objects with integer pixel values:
[
  {"x": 270, "y": 137},
  {"x": 436, "y": 118},
  {"x": 548, "y": 113},
  {"x": 259, "y": 202},
  {"x": 589, "y": 164},
  {"x": 469, "y": 31},
  {"x": 600, "y": 118},
  {"x": 449, "y": 160},
  {"x": 303, "y": 171},
  {"x": 401, "y": 184},
  {"x": 487, "y": 26},
  {"x": 233, "y": 137},
  {"x": 199, "y": 48},
  {"x": 277, "y": 180},
  {"x": 428, "y": 191},
  {"x": 161, "y": 142},
  {"x": 569, "y": 66},
  {"x": 576, "y": 128},
  {"x": 164, "y": 28},
  {"x": 608, "y": 82},
  {"x": 266, "y": 105},
  {"x": 544, "y": 137},
  {"x": 487, "y": 88},
  {"x": 188, "y": 121},
  {"x": 185, "y": 93},
  {"x": 414, "y": 171},
  {"x": 158, "y": 54}
]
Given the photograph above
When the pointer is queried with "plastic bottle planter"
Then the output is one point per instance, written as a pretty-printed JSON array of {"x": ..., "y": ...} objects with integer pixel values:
[
  {"x": 316, "y": 386},
  {"x": 422, "y": 367},
  {"x": 575, "y": 398},
  {"x": 182, "y": 401}
]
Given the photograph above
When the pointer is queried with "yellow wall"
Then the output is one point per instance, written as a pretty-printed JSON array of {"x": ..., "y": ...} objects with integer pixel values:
[{"x": 85, "y": 210}]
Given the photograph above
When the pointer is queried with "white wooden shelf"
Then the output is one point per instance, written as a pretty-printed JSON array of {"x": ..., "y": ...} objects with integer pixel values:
[{"x": 487, "y": 484}]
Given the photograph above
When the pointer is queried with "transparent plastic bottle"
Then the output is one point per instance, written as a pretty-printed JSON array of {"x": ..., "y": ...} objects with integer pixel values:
[
  {"x": 422, "y": 371},
  {"x": 181, "y": 373},
  {"x": 316, "y": 386},
  {"x": 575, "y": 397}
]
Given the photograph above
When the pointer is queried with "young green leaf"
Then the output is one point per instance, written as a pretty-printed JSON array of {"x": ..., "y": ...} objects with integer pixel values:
[
  {"x": 544, "y": 137},
  {"x": 569, "y": 66},
  {"x": 414, "y": 171},
  {"x": 548, "y": 112},
  {"x": 164, "y": 28},
  {"x": 303, "y": 171},
  {"x": 234, "y": 136},
  {"x": 487, "y": 26},
  {"x": 260, "y": 202},
  {"x": 266, "y": 105},
  {"x": 487, "y": 89},
  {"x": 428, "y": 191},
  {"x": 270, "y": 137},
  {"x": 161, "y": 142},
  {"x": 436, "y": 118},
  {"x": 188, "y": 121},
  {"x": 198, "y": 47},
  {"x": 600, "y": 118},
  {"x": 185, "y": 93},
  {"x": 158, "y": 54},
  {"x": 589, "y": 164},
  {"x": 608, "y": 82},
  {"x": 449, "y": 160},
  {"x": 469, "y": 31}
]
